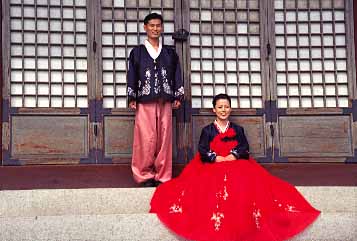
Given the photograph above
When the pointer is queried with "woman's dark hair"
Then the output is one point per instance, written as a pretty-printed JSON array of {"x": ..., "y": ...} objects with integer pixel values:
[
  {"x": 153, "y": 16},
  {"x": 220, "y": 97}
]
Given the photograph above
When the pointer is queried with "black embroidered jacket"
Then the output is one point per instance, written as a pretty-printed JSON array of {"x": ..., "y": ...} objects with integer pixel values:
[{"x": 150, "y": 79}]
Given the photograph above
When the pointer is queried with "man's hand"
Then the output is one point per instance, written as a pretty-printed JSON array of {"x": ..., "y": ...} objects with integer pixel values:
[
  {"x": 176, "y": 104},
  {"x": 132, "y": 104}
]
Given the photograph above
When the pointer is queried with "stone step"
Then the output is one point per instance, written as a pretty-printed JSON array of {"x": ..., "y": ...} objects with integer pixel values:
[
  {"x": 75, "y": 201},
  {"x": 27, "y": 203},
  {"x": 335, "y": 226}
]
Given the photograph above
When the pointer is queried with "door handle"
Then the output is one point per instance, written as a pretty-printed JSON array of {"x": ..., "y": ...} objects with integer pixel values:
[{"x": 180, "y": 35}]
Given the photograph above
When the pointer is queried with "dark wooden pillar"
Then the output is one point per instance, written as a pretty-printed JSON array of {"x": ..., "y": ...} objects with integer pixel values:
[
  {"x": 355, "y": 24},
  {"x": 1, "y": 83}
]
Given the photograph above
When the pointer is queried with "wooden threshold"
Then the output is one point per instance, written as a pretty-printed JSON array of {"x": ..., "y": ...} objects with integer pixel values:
[{"x": 120, "y": 176}]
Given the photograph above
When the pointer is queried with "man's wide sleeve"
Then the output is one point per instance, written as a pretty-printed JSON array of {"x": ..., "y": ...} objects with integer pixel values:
[
  {"x": 179, "y": 89},
  {"x": 132, "y": 77}
]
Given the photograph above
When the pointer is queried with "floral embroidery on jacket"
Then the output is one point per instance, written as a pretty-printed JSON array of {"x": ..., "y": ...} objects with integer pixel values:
[
  {"x": 180, "y": 92},
  {"x": 131, "y": 92},
  {"x": 165, "y": 81},
  {"x": 146, "y": 87}
]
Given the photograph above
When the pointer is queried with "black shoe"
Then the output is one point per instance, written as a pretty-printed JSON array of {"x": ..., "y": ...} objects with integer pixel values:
[
  {"x": 148, "y": 183},
  {"x": 157, "y": 183}
]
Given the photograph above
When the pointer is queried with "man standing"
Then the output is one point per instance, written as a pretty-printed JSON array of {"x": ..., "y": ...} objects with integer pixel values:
[{"x": 154, "y": 88}]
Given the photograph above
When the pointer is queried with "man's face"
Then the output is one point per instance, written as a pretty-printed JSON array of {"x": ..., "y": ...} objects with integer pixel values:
[{"x": 153, "y": 28}]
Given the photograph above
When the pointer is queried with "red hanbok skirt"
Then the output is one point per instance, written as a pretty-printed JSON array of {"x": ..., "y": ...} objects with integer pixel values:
[{"x": 231, "y": 201}]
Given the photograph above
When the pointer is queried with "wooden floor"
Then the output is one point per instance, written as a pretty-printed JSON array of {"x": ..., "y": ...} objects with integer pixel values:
[{"x": 114, "y": 176}]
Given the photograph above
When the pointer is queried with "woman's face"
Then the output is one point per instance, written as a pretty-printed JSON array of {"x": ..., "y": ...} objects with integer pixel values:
[{"x": 222, "y": 109}]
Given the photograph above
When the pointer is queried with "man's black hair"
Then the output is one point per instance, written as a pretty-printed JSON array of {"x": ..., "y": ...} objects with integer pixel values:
[
  {"x": 153, "y": 16},
  {"x": 221, "y": 97}
]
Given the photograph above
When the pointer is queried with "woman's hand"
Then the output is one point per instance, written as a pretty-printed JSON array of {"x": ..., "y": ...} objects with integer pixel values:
[
  {"x": 228, "y": 158},
  {"x": 220, "y": 159}
]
